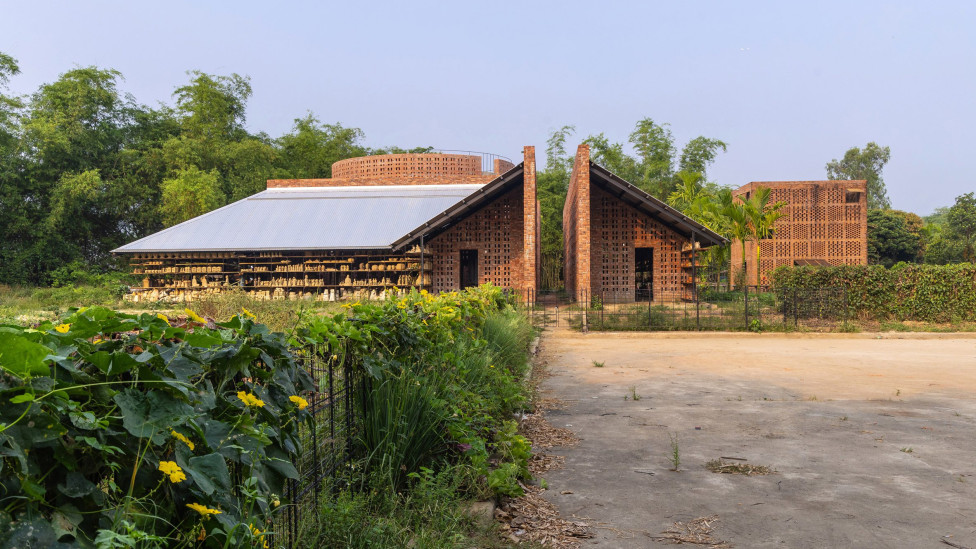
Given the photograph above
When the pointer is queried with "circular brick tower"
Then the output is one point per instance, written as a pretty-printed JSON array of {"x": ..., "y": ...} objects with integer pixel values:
[{"x": 408, "y": 169}]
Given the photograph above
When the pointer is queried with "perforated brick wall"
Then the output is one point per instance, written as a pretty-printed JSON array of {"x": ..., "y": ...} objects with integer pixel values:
[
  {"x": 601, "y": 234},
  {"x": 617, "y": 230},
  {"x": 407, "y": 165},
  {"x": 823, "y": 220},
  {"x": 403, "y": 169},
  {"x": 496, "y": 232},
  {"x": 383, "y": 180}
]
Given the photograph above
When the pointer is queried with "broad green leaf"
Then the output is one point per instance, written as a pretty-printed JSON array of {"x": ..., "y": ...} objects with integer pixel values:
[
  {"x": 26, "y": 397},
  {"x": 83, "y": 420},
  {"x": 210, "y": 473},
  {"x": 22, "y": 357},
  {"x": 145, "y": 415},
  {"x": 201, "y": 339},
  {"x": 76, "y": 485}
]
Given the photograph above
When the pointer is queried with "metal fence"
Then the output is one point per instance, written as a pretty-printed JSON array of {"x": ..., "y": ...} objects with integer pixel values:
[
  {"x": 746, "y": 308},
  {"x": 337, "y": 406}
]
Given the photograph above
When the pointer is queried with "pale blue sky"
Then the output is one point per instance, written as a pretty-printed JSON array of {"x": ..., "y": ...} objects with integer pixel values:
[{"x": 788, "y": 85}]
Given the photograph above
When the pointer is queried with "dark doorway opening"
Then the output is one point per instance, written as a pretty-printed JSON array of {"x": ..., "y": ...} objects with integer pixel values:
[
  {"x": 644, "y": 273},
  {"x": 469, "y": 268}
]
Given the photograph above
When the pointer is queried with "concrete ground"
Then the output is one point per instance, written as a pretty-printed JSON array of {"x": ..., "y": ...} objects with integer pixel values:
[{"x": 873, "y": 437}]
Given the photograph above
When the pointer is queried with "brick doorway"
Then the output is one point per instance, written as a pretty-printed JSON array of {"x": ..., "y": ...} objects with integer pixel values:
[
  {"x": 469, "y": 268},
  {"x": 644, "y": 273}
]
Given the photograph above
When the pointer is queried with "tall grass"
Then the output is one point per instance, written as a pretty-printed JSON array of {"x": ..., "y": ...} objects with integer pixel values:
[
  {"x": 280, "y": 315},
  {"x": 508, "y": 334},
  {"x": 404, "y": 426}
]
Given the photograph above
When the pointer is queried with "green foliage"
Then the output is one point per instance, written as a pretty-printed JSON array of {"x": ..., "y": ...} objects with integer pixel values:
[
  {"x": 189, "y": 194},
  {"x": 85, "y": 169},
  {"x": 864, "y": 164},
  {"x": 404, "y": 425},
  {"x": 213, "y": 106},
  {"x": 115, "y": 425},
  {"x": 930, "y": 293},
  {"x": 961, "y": 220},
  {"x": 312, "y": 147},
  {"x": 893, "y": 237},
  {"x": 430, "y": 514},
  {"x": 443, "y": 372}
]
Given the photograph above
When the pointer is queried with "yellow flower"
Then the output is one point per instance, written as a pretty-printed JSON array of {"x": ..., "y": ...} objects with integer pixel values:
[
  {"x": 258, "y": 533},
  {"x": 182, "y": 439},
  {"x": 249, "y": 399},
  {"x": 299, "y": 401},
  {"x": 204, "y": 511},
  {"x": 97, "y": 340},
  {"x": 62, "y": 328},
  {"x": 249, "y": 314},
  {"x": 276, "y": 503},
  {"x": 194, "y": 317},
  {"x": 162, "y": 317},
  {"x": 173, "y": 470}
]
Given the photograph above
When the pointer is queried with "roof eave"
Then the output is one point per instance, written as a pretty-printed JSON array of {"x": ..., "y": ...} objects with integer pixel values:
[
  {"x": 476, "y": 200},
  {"x": 678, "y": 221}
]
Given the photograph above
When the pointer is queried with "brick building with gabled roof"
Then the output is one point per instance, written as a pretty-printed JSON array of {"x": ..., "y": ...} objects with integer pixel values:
[
  {"x": 622, "y": 244},
  {"x": 439, "y": 221}
]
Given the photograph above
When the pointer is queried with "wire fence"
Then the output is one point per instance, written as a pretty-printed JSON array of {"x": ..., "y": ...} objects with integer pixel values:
[
  {"x": 338, "y": 407},
  {"x": 753, "y": 308}
]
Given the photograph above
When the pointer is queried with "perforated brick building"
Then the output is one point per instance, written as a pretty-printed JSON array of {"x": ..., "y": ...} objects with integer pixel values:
[
  {"x": 622, "y": 244},
  {"x": 824, "y": 223},
  {"x": 437, "y": 221}
]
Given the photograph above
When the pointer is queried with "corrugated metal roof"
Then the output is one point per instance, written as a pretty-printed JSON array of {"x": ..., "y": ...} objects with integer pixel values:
[{"x": 309, "y": 218}]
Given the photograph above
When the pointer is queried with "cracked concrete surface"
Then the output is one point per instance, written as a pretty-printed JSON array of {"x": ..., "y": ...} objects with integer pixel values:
[{"x": 872, "y": 437}]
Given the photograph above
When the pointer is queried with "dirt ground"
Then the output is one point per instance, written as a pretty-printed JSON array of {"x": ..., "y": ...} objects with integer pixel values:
[{"x": 872, "y": 437}]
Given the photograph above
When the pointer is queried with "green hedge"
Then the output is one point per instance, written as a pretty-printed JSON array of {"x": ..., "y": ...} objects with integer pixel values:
[{"x": 930, "y": 293}]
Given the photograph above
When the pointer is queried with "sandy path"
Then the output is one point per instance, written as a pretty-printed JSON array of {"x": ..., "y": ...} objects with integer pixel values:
[{"x": 872, "y": 439}]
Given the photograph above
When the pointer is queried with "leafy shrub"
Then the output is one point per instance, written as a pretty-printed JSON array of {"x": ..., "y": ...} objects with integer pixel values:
[
  {"x": 931, "y": 293},
  {"x": 129, "y": 430}
]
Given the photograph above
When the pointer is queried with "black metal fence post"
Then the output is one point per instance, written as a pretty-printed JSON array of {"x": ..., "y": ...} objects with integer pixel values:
[{"x": 745, "y": 303}]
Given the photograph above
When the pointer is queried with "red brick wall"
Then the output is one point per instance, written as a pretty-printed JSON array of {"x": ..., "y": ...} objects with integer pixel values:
[
  {"x": 617, "y": 230},
  {"x": 496, "y": 231},
  {"x": 576, "y": 226},
  {"x": 403, "y": 169},
  {"x": 530, "y": 224},
  {"x": 502, "y": 166},
  {"x": 818, "y": 223}
]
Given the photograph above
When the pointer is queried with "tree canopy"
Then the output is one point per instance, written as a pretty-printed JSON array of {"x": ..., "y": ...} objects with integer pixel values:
[
  {"x": 85, "y": 168},
  {"x": 867, "y": 164}
]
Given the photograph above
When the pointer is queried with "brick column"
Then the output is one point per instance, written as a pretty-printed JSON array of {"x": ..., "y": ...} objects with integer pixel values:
[
  {"x": 530, "y": 215},
  {"x": 576, "y": 225}
]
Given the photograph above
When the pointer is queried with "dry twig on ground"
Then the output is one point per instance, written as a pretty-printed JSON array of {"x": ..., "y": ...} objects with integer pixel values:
[
  {"x": 542, "y": 434},
  {"x": 722, "y": 466},
  {"x": 543, "y": 463},
  {"x": 532, "y": 518},
  {"x": 697, "y": 531}
]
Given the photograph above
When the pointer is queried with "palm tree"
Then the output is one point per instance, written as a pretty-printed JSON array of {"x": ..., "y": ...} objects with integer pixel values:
[
  {"x": 689, "y": 193},
  {"x": 740, "y": 227},
  {"x": 762, "y": 216}
]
